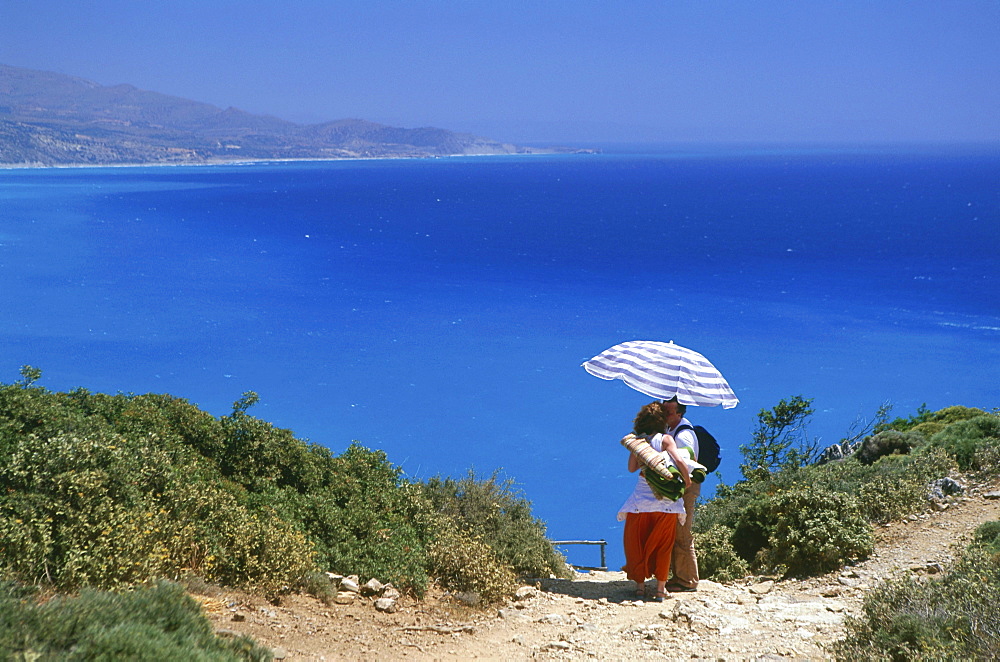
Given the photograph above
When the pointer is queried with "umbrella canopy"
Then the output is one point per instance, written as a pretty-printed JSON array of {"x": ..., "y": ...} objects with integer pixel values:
[{"x": 663, "y": 370}]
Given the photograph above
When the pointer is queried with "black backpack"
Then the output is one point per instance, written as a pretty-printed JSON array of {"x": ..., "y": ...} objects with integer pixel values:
[{"x": 709, "y": 453}]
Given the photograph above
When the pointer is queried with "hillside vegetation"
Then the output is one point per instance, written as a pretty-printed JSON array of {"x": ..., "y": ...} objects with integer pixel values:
[
  {"x": 794, "y": 516},
  {"x": 111, "y": 490},
  {"x": 123, "y": 492}
]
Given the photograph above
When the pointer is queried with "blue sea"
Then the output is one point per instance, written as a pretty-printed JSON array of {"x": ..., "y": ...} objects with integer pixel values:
[{"x": 440, "y": 309}]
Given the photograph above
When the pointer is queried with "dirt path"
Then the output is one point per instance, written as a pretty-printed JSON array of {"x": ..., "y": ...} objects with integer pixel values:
[{"x": 596, "y": 615}]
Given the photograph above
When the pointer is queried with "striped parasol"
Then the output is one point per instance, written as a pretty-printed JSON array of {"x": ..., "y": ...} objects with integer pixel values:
[{"x": 663, "y": 370}]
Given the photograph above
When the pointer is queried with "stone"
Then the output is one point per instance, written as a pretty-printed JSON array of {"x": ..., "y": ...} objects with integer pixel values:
[
  {"x": 763, "y": 588},
  {"x": 350, "y": 584},
  {"x": 387, "y": 605},
  {"x": 525, "y": 593},
  {"x": 371, "y": 587},
  {"x": 238, "y": 617},
  {"x": 345, "y": 598},
  {"x": 945, "y": 487},
  {"x": 511, "y": 615},
  {"x": 553, "y": 619},
  {"x": 335, "y": 580},
  {"x": 279, "y": 653},
  {"x": 992, "y": 495}
]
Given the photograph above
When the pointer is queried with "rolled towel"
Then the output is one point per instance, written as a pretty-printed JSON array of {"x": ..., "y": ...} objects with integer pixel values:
[{"x": 648, "y": 455}]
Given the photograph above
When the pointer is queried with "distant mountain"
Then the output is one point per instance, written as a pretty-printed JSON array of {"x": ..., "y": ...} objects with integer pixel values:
[{"x": 52, "y": 119}]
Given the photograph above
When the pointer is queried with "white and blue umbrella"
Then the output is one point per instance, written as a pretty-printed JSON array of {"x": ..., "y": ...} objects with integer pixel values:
[{"x": 663, "y": 370}]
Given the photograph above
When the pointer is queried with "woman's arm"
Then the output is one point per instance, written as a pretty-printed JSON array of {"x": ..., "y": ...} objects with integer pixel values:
[
  {"x": 633, "y": 463},
  {"x": 671, "y": 449}
]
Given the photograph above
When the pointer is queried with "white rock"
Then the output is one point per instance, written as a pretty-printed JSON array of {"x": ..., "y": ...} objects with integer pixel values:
[
  {"x": 372, "y": 587},
  {"x": 388, "y": 605}
]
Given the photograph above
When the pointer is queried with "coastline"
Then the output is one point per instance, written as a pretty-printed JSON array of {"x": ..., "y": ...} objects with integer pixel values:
[{"x": 252, "y": 161}]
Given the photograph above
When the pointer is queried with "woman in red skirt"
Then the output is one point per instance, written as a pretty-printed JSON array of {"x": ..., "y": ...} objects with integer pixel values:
[{"x": 650, "y": 522}]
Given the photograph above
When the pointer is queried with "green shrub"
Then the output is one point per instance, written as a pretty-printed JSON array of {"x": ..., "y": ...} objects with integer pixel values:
[
  {"x": 492, "y": 510},
  {"x": 987, "y": 535},
  {"x": 153, "y": 623},
  {"x": 259, "y": 551},
  {"x": 928, "y": 423},
  {"x": 717, "y": 558},
  {"x": 106, "y": 511},
  {"x": 887, "y": 443},
  {"x": 319, "y": 585},
  {"x": 462, "y": 562},
  {"x": 956, "y": 617},
  {"x": 896, "y": 485},
  {"x": 966, "y": 439},
  {"x": 369, "y": 521},
  {"x": 110, "y": 490},
  {"x": 802, "y": 530},
  {"x": 987, "y": 458}
]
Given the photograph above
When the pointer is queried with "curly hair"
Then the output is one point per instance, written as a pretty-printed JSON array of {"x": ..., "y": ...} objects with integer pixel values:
[{"x": 651, "y": 419}]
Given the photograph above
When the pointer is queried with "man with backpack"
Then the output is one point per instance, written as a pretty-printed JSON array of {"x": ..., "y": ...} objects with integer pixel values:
[{"x": 684, "y": 562}]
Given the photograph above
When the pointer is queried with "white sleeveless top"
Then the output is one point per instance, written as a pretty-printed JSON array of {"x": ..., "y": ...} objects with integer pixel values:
[{"x": 642, "y": 499}]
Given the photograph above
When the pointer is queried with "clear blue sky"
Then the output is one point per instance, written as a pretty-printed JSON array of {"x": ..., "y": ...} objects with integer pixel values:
[{"x": 572, "y": 71}]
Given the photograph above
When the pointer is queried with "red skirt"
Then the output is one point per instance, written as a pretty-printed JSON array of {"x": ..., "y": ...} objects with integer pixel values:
[{"x": 649, "y": 541}]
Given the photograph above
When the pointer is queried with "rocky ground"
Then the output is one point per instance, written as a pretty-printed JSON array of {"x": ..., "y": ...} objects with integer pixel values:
[{"x": 596, "y": 615}]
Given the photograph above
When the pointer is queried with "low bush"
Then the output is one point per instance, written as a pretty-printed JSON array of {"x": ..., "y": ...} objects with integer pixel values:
[
  {"x": 970, "y": 440},
  {"x": 893, "y": 487},
  {"x": 717, "y": 558},
  {"x": 802, "y": 520},
  {"x": 106, "y": 511},
  {"x": 956, "y": 617},
  {"x": 492, "y": 510},
  {"x": 464, "y": 563},
  {"x": 110, "y": 490},
  {"x": 368, "y": 520},
  {"x": 987, "y": 536},
  {"x": 887, "y": 443},
  {"x": 802, "y": 530},
  {"x": 153, "y": 623},
  {"x": 928, "y": 423}
]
